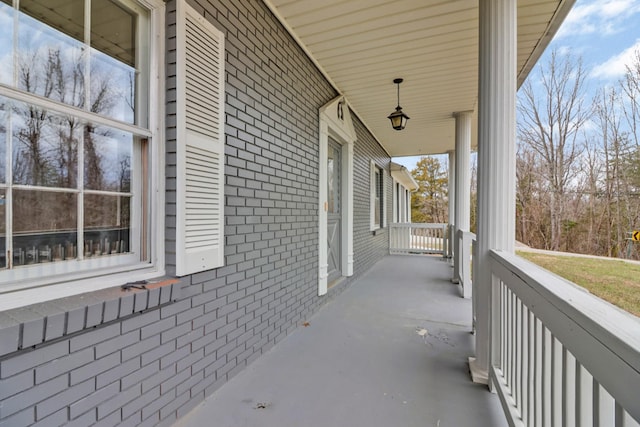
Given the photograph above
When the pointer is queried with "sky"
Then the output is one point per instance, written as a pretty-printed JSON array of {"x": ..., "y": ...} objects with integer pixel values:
[{"x": 605, "y": 33}]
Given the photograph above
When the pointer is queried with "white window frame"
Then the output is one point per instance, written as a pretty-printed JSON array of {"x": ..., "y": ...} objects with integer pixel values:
[
  {"x": 372, "y": 196},
  {"x": 59, "y": 280}
]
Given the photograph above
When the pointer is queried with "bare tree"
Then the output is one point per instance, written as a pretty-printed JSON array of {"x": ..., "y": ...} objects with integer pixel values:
[
  {"x": 551, "y": 115},
  {"x": 631, "y": 105}
]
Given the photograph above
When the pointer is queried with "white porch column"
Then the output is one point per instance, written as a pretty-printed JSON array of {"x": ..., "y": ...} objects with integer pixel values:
[
  {"x": 463, "y": 182},
  {"x": 496, "y": 160},
  {"x": 452, "y": 198}
]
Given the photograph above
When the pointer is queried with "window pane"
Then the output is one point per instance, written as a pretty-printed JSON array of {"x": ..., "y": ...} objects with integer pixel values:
[
  {"x": 4, "y": 121},
  {"x": 112, "y": 88},
  {"x": 107, "y": 159},
  {"x": 113, "y": 54},
  {"x": 50, "y": 60},
  {"x": 6, "y": 42},
  {"x": 44, "y": 226},
  {"x": 107, "y": 224},
  {"x": 45, "y": 148},
  {"x": 3, "y": 238},
  {"x": 113, "y": 31},
  {"x": 330, "y": 183}
]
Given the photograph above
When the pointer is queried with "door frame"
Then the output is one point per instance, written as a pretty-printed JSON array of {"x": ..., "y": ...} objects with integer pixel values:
[{"x": 335, "y": 121}]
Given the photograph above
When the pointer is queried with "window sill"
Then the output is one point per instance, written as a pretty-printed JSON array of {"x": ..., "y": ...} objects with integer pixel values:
[{"x": 32, "y": 325}]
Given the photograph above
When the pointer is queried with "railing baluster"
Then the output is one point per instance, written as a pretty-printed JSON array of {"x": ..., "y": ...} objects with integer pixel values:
[
  {"x": 584, "y": 396},
  {"x": 524, "y": 373},
  {"x": 629, "y": 421},
  {"x": 569, "y": 389},
  {"x": 547, "y": 361},
  {"x": 619, "y": 416},
  {"x": 514, "y": 343},
  {"x": 556, "y": 386},
  {"x": 504, "y": 319},
  {"x": 518, "y": 358},
  {"x": 606, "y": 407},
  {"x": 536, "y": 395}
]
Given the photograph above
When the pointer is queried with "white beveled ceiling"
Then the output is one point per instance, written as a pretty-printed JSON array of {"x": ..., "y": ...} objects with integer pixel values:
[{"x": 362, "y": 45}]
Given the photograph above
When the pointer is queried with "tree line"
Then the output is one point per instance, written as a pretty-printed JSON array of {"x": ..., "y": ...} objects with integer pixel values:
[{"x": 577, "y": 165}]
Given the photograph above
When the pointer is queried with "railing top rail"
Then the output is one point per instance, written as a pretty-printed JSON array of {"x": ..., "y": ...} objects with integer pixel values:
[
  {"x": 418, "y": 224},
  {"x": 603, "y": 337},
  {"x": 467, "y": 234},
  {"x": 603, "y": 319}
]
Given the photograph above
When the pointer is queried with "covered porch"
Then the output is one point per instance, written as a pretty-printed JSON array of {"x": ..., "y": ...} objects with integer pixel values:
[{"x": 392, "y": 349}]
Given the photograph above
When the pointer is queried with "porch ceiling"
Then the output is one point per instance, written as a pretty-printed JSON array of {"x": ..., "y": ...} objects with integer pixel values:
[{"x": 362, "y": 45}]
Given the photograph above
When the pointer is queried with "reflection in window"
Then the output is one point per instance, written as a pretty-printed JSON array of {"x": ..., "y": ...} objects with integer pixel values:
[
  {"x": 330, "y": 187},
  {"x": 66, "y": 190},
  {"x": 113, "y": 60},
  {"x": 6, "y": 42},
  {"x": 45, "y": 147},
  {"x": 50, "y": 63},
  {"x": 53, "y": 56},
  {"x": 333, "y": 179},
  {"x": 107, "y": 224},
  {"x": 3, "y": 139},
  {"x": 3, "y": 235},
  {"x": 107, "y": 159},
  {"x": 44, "y": 226},
  {"x": 63, "y": 17},
  {"x": 378, "y": 196}
]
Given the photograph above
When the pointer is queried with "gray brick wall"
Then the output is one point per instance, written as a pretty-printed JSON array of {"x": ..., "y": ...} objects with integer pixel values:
[
  {"x": 367, "y": 247},
  {"x": 154, "y": 366}
]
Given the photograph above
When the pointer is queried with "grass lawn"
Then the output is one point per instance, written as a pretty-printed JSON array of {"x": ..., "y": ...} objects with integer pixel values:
[{"x": 612, "y": 280}]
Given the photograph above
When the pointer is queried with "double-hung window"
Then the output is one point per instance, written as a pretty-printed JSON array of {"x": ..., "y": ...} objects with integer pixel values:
[
  {"x": 75, "y": 139},
  {"x": 377, "y": 194}
]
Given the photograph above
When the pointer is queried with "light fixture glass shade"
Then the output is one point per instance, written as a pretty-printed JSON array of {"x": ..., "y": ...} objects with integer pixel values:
[{"x": 398, "y": 119}]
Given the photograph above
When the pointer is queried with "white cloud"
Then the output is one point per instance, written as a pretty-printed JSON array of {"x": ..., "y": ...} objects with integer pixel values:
[
  {"x": 615, "y": 66},
  {"x": 598, "y": 17}
]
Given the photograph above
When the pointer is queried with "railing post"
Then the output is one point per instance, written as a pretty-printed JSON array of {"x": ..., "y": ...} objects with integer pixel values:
[
  {"x": 456, "y": 257},
  {"x": 465, "y": 255},
  {"x": 474, "y": 293},
  {"x": 445, "y": 240}
]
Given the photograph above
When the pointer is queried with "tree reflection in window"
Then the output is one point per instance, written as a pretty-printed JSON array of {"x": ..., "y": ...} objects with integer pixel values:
[
  {"x": 69, "y": 191},
  {"x": 107, "y": 159},
  {"x": 45, "y": 147}
]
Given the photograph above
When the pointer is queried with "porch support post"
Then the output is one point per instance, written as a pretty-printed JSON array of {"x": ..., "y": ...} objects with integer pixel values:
[
  {"x": 452, "y": 207},
  {"x": 496, "y": 162},
  {"x": 463, "y": 184}
]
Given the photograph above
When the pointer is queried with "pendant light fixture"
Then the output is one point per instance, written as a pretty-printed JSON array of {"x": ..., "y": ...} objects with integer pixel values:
[{"x": 398, "y": 118}]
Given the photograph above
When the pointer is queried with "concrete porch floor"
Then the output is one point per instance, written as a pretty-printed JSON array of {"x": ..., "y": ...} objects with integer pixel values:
[{"x": 362, "y": 361}]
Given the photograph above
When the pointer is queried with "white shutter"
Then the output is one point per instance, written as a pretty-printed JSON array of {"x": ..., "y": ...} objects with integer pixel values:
[{"x": 200, "y": 143}]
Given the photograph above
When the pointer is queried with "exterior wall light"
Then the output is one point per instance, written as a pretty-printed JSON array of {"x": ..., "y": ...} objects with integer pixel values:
[{"x": 398, "y": 118}]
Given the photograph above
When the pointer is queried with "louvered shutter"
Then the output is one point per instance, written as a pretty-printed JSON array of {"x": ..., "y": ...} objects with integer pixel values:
[{"x": 200, "y": 143}]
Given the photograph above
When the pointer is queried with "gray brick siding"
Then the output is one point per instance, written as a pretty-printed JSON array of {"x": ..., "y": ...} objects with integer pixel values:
[{"x": 151, "y": 367}]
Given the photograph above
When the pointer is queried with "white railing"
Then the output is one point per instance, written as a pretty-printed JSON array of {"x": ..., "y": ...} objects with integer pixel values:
[
  {"x": 464, "y": 241},
  {"x": 561, "y": 356},
  {"x": 416, "y": 238}
]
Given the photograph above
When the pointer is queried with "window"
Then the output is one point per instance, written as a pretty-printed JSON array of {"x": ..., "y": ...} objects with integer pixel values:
[
  {"x": 75, "y": 173},
  {"x": 378, "y": 219}
]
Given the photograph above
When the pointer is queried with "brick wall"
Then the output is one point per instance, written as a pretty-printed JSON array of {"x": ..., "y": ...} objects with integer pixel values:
[{"x": 153, "y": 366}]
